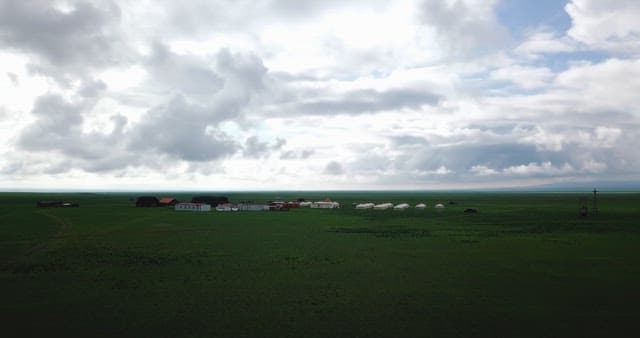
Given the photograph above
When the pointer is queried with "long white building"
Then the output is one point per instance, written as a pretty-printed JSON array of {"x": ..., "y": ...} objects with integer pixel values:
[
  {"x": 325, "y": 205},
  {"x": 192, "y": 207}
]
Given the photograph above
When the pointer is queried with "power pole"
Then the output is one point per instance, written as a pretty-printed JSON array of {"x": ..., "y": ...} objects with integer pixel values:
[{"x": 595, "y": 205}]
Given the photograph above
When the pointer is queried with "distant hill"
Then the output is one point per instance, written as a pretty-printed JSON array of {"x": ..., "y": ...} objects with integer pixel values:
[{"x": 583, "y": 186}]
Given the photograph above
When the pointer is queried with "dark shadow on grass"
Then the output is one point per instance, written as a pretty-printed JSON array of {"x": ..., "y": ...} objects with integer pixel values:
[{"x": 383, "y": 232}]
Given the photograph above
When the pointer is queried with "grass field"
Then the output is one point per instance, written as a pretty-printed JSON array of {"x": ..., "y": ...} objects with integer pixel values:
[{"x": 526, "y": 265}]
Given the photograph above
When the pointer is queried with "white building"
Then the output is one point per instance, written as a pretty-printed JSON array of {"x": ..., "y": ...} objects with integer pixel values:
[
  {"x": 253, "y": 207},
  {"x": 325, "y": 205},
  {"x": 192, "y": 207}
]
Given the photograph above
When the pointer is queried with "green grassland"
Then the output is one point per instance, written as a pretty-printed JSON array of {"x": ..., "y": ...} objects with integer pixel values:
[{"x": 526, "y": 265}]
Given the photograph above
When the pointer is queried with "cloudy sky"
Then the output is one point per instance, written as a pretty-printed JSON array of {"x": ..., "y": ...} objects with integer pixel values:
[{"x": 289, "y": 94}]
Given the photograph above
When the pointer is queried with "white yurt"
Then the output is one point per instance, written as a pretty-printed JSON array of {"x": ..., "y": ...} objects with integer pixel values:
[
  {"x": 401, "y": 206},
  {"x": 383, "y": 206},
  {"x": 439, "y": 206},
  {"x": 421, "y": 206},
  {"x": 364, "y": 206}
]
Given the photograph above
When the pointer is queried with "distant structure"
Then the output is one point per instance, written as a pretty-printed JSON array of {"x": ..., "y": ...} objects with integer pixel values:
[{"x": 583, "y": 205}]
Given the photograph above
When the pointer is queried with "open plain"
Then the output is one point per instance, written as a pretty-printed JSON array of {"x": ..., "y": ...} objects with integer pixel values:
[{"x": 526, "y": 265}]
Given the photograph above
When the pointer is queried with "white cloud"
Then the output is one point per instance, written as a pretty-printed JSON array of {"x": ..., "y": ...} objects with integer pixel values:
[
  {"x": 523, "y": 76},
  {"x": 544, "y": 42},
  {"x": 610, "y": 25},
  {"x": 606, "y": 137},
  {"x": 482, "y": 170},
  {"x": 464, "y": 26},
  {"x": 545, "y": 168},
  {"x": 327, "y": 94}
]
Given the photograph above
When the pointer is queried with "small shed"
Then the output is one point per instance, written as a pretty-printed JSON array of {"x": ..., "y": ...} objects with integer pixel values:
[{"x": 147, "y": 202}]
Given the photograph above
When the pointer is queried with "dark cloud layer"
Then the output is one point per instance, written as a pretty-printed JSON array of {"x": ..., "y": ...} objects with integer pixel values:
[{"x": 63, "y": 42}]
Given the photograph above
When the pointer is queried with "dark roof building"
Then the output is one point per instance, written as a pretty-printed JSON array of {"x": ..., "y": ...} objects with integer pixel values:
[
  {"x": 147, "y": 202},
  {"x": 213, "y": 201}
]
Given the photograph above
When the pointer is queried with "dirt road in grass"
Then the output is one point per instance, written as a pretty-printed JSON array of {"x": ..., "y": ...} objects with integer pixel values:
[{"x": 62, "y": 232}]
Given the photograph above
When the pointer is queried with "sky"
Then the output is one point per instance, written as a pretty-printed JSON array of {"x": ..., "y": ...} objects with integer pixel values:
[{"x": 315, "y": 95}]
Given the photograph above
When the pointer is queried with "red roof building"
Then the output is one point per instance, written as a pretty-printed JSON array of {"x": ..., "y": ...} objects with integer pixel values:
[{"x": 168, "y": 201}]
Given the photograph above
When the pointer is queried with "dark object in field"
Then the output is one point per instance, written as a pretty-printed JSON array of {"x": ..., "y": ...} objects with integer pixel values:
[
  {"x": 286, "y": 205},
  {"x": 584, "y": 209},
  {"x": 451, "y": 202},
  {"x": 147, "y": 202},
  {"x": 168, "y": 201},
  {"x": 301, "y": 200},
  {"x": 213, "y": 201},
  {"x": 278, "y": 207},
  {"x": 56, "y": 204},
  {"x": 471, "y": 211}
]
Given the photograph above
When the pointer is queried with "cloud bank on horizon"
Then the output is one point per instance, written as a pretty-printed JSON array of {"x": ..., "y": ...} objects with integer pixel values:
[{"x": 281, "y": 94}]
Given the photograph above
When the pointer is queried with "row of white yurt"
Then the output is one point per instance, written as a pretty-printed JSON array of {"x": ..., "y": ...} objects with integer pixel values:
[{"x": 401, "y": 206}]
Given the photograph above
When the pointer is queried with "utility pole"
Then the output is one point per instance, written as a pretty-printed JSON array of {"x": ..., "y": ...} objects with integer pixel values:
[{"x": 595, "y": 205}]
